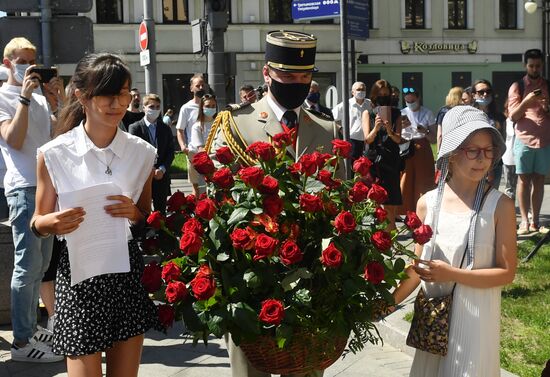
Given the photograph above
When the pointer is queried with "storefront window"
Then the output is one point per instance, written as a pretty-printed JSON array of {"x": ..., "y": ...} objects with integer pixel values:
[
  {"x": 109, "y": 11},
  {"x": 414, "y": 14},
  {"x": 280, "y": 11},
  {"x": 174, "y": 11},
  {"x": 508, "y": 14},
  {"x": 457, "y": 14}
]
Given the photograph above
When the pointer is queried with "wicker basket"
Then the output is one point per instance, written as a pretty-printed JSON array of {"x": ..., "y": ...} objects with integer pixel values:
[{"x": 306, "y": 353}]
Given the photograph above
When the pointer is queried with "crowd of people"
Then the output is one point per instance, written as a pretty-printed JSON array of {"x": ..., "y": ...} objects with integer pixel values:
[{"x": 56, "y": 140}]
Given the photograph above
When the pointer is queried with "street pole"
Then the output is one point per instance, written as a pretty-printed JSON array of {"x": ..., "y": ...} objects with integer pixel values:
[
  {"x": 217, "y": 24},
  {"x": 345, "y": 77},
  {"x": 151, "y": 68},
  {"x": 545, "y": 36},
  {"x": 46, "y": 28},
  {"x": 353, "y": 62}
]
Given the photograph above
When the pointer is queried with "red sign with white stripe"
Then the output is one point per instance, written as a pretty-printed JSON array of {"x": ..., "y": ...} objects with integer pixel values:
[{"x": 143, "y": 38}]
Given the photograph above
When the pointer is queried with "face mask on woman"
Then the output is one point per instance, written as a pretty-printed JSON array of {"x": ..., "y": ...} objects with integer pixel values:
[
  {"x": 209, "y": 111},
  {"x": 412, "y": 105},
  {"x": 484, "y": 101}
]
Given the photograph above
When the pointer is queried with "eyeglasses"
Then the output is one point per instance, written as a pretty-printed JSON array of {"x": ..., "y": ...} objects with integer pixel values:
[
  {"x": 124, "y": 99},
  {"x": 483, "y": 92},
  {"x": 408, "y": 90},
  {"x": 474, "y": 153}
]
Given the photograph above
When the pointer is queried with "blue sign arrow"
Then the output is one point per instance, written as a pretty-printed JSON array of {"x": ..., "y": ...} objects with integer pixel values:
[{"x": 315, "y": 9}]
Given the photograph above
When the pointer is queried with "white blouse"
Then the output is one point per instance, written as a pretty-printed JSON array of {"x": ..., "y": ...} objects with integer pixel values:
[{"x": 74, "y": 162}]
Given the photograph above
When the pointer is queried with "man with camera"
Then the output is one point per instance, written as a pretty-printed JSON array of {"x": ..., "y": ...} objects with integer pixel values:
[
  {"x": 25, "y": 125},
  {"x": 528, "y": 109}
]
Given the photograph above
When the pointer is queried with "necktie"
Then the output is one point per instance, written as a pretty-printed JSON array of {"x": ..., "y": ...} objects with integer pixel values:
[{"x": 290, "y": 119}]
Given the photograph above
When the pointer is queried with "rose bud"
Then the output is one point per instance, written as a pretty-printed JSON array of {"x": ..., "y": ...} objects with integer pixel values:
[
  {"x": 224, "y": 155},
  {"x": 378, "y": 194},
  {"x": 362, "y": 166},
  {"x": 206, "y": 209},
  {"x": 311, "y": 203},
  {"x": 282, "y": 139},
  {"x": 175, "y": 291},
  {"x": 422, "y": 234},
  {"x": 325, "y": 177},
  {"x": 331, "y": 256},
  {"x": 412, "y": 221},
  {"x": 269, "y": 186},
  {"x": 381, "y": 240},
  {"x": 341, "y": 148},
  {"x": 166, "y": 315},
  {"x": 170, "y": 272},
  {"x": 252, "y": 176},
  {"x": 176, "y": 201},
  {"x": 223, "y": 178},
  {"x": 380, "y": 214},
  {"x": 155, "y": 220},
  {"x": 261, "y": 150},
  {"x": 204, "y": 271},
  {"x": 272, "y": 312},
  {"x": 192, "y": 226},
  {"x": 272, "y": 205},
  {"x": 374, "y": 272},
  {"x": 190, "y": 243},
  {"x": 345, "y": 222},
  {"x": 359, "y": 192},
  {"x": 308, "y": 164},
  {"x": 290, "y": 253},
  {"x": 203, "y": 164},
  {"x": 203, "y": 288},
  {"x": 264, "y": 246},
  {"x": 241, "y": 239},
  {"x": 151, "y": 277}
]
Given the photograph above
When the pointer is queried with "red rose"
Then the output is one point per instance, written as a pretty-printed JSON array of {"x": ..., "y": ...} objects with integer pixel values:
[
  {"x": 325, "y": 177},
  {"x": 204, "y": 271},
  {"x": 203, "y": 288},
  {"x": 203, "y": 164},
  {"x": 422, "y": 234},
  {"x": 378, "y": 193},
  {"x": 176, "y": 291},
  {"x": 192, "y": 226},
  {"x": 190, "y": 243},
  {"x": 331, "y": 256},
  {"x": 311, "y": 203},
  {"x": 223, "y": 178},
  {"x": 345, "y": 222},
  {"x": 381, "y": 240},
  {"x": 330, "y": 208},
  {"x": 412, "y": 221},
  {"x": 224, "y": 155},
  {"x": 362, "y": 166},
  {"x": 261, "y": 150},
  {"x": 272, "y": 312},
  {"x": 341, "y": 148},
  {"x": 241, "y": 239},
  {"x": 155, "y": 220},
  {"x": 273, "y": 205},
  {"x": 290, "y": 253},
  {"x": 282, "y": 139},
  {"x": 252, "y": 176},
  {"x": 381, "y": 214},
  {"x": 151, "y": 278},
  {"x": 150, "y": 246},
  {"x": 166, "y": 315},
  {"x": 264, "y": 246},
  {"x": 308, "y": 164},
  {"x": 359, "y": 192},
  {"x": 374, "y": 272},
  {"x": 206, "y": 209},
  {"x": 191, "y": 202},
  {"x": 170, "y": 271},
  {"x": 176, "y": 201},
  {"x": 269, "y": 185}
]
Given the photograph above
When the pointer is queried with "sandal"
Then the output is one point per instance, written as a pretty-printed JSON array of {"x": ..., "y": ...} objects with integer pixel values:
[
  {"x": 533, "y": 227},
  {"x": 523, "y": 229}
]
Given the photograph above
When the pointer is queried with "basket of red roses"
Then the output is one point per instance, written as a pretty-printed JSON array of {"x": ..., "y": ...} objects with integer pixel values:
[{"x": 285, "y": 256}]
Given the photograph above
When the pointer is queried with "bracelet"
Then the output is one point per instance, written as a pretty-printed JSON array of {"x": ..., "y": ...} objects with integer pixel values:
[
  {"x": 24, "y": 101},
  {"x": 36, "y": 232}
]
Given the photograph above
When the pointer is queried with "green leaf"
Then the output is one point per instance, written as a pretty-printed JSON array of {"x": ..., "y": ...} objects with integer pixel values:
[
  {"x": 291, "y": 280},
  {"x": 222, "y": 257},
  {"x": 215, "y": 233},
  {"x": 257, "y": 210},
  {"x": 252, "y": 280},
  {"x": 399, "y": 265},
  {"x": 215, "y": 324},
  {"x": 237, "y": 215},
  {"x": 245, "y": 318},
  {"x": 313, "y": 186},
  {"x": 303, "y": 297},
  {"x": 282, "y": 334}
]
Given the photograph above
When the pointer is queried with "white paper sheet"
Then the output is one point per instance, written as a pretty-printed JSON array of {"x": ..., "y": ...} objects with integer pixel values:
[{"x": 99, "y": 245}]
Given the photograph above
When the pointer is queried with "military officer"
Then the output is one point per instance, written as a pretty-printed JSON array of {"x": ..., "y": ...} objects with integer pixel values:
[{"x": 288, "y": 70}]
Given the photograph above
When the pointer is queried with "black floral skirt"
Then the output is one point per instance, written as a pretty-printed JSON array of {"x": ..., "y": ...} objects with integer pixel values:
[{"x": 94, "y": 314}]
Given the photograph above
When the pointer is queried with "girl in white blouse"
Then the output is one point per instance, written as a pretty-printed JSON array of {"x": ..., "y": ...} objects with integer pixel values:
[{"x": 108, "y": 312}]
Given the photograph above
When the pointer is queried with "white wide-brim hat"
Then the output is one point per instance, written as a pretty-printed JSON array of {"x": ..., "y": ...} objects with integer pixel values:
[{"x": 458, "y": 124}]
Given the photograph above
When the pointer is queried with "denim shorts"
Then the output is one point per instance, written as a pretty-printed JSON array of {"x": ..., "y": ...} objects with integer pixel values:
[{"x": 531, "y": 160}]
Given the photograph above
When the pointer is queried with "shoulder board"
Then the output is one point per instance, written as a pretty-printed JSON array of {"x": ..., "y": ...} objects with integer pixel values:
[
  {"x": 319, "y": 114},
  {"x": 237, "y": 106}
]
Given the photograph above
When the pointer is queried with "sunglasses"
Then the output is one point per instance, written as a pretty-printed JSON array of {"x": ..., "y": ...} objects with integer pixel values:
[
  {"x": 474, "y": 153},
  {"x": 484, "y": 92},
  {"x": 408, "y": 90}
]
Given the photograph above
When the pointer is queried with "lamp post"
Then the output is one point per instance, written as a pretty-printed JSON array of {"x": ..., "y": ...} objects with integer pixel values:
[{"x": 531, "y": 7}]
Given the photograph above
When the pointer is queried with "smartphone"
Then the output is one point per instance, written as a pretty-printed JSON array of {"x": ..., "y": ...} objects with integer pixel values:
[
  {"x": 46, "y": 74},
  {"x": 537, "y": 92},
  {"x": 385, "y": 113}
]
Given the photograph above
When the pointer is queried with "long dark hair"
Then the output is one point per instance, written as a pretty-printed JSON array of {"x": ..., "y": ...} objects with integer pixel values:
[
  {"x": 375, "y": 90},
  {"x": 101, "y": 74}
]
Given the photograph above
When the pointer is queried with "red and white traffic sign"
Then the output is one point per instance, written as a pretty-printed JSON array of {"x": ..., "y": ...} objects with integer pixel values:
[{"x": 143, "y": 37}]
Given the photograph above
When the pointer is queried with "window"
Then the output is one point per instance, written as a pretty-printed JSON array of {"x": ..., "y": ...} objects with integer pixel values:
[
  {"x": 280, "y": 11},
  {"x": 414, "y": 14},
  {"x": 109, "y": 11},
  {"x": 508, "y": 14},
  {"x": 174, "y": 11},
  {"x": 457, "y": 14}
]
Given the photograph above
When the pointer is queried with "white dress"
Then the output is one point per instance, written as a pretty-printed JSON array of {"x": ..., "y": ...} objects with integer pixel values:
[{"x": 474, "y": 337}]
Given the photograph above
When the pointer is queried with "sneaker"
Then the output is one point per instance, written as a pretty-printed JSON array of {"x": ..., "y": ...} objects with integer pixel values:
[
  {"x": 43, "y": 335},
  {"x": 34, "y": 352}
]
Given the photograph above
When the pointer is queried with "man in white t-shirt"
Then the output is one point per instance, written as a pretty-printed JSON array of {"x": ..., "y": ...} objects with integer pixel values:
[
  {"x": 25, "y": 121},
  {"x": 357, "y": 104}
]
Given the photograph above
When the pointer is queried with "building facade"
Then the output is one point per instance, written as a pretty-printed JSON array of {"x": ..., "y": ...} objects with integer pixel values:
[{"x": 427, "y": 44}]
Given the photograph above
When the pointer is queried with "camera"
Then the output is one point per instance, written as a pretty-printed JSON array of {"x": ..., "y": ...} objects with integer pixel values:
[{"x": 46, "y": 74}]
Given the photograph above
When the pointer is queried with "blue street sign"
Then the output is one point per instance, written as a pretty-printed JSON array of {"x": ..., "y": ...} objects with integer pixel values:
[
  {"x": 358, "y": 19},
  {"x": 315, "y": 9}
]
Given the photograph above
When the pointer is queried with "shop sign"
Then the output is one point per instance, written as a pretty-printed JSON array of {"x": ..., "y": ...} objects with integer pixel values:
[{"x": 421, "y": 47}]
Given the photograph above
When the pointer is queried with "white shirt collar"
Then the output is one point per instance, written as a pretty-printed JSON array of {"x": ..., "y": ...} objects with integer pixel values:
[
  {"x": 147, "y": 123},
  {"x": 278, "y": 110},
  {"x": 83, "y": 143}
]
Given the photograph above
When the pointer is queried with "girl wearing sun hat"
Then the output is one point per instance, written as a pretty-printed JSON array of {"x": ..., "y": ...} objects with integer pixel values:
[{"x": 473, "y": 249}]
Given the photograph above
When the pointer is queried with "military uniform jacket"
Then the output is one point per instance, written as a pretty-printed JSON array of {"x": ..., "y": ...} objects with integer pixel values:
[{"x": 258, "y": 122}]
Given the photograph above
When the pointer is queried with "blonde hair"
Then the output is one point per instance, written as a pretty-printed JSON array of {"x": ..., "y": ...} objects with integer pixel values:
[
  {"x": 18, "y": 43},
  {"x": 150, "y": 98},
  {"x": 454, "y": 97}
]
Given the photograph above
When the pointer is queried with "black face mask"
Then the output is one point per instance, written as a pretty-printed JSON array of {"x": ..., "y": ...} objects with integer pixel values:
[
  {"x": 289, "y": 96},
  {"x": 199, "y": 93},
  {"x": 383, "y": 101},
  {"x": 395, "y": 101}
]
